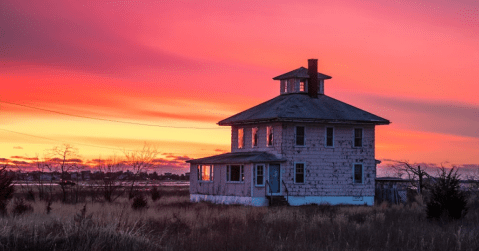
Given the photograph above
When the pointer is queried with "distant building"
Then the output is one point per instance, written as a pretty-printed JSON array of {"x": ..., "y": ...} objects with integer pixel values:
[{"x": 300, "y": 147}]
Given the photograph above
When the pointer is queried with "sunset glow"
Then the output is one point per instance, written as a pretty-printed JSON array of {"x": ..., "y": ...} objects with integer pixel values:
[{"x": 106, "y": 77}]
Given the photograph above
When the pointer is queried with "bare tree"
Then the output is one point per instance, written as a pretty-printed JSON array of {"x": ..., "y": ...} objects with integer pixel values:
[
  {"x": 41, "y": 166},
  {"x": 111, "y": 170},
  {"x": 414, "y": 172},
  {"x": 62, "y": 160},
  {"x": 6, "y": 188},
  {"x": 140, "y": 161}
]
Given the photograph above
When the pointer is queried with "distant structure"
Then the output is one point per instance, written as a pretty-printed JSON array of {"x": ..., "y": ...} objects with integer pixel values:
[{"x": 301, "y": 147}]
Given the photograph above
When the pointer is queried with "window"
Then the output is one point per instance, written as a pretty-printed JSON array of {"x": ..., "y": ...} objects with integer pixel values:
[
  {"x": 254, "y": 136},
  {"x": 285, "y": 86},
  {"x": 329, "y": 136},
  {"x": 300, "y": 135},
  {"x": 259, "y": 175},
  {"x": 301, "y": 86},
  {"x": 358, "y": 137},
  {"x": 358, "y": 174},
  {"x": 205, "y": 172},
  {"x": 299, "y": 173},
  {"x": 240, "y": 138},
  {"x": 235, "y": 173},
  {"x": 269, "y": 136}
]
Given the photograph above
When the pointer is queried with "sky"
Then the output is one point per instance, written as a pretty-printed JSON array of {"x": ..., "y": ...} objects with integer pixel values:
[{"x": 110, "y": 76}]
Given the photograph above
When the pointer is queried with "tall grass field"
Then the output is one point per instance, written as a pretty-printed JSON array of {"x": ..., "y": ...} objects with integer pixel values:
[{"x": 173, "y": 223}]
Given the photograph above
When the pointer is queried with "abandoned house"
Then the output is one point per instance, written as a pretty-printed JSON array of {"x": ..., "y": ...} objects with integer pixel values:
[{"x": 301, "y": 147}]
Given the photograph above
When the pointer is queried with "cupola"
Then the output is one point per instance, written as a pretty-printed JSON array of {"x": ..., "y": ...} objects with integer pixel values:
[{"x": 302, "y": 80}]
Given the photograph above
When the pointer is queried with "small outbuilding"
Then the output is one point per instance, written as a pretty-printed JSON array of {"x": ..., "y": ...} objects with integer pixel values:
[{"x": 301, "y": 147}]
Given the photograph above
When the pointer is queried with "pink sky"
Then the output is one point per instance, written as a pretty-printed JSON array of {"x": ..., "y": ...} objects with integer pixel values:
[{"x": 191, "y": 64}]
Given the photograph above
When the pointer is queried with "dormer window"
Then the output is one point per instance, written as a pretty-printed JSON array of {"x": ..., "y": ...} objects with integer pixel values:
[
  {"x": 301, "y": 86},
  {"x": 286, "y": 86}
]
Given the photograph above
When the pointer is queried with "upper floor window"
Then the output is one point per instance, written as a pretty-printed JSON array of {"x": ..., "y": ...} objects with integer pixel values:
[
  {"x": 300, "y": 135},
  {"x": 301, "y": 86},
  {"x": 299, "y": 173},
  {"x": 259, "y": 175},
  {"x": 240, "y": 138},
  {"x": 358, "y": 174},
  {"x": 358, "y": 137},
  {"x": 235, "y": 173},
  {"x": 329, "y": 136},
  {"x": 269, "y": 136},
  {"x": 285, "y": 86},
  {"x": 254, "y": 136},
  {"x": 205, "y": 172}
]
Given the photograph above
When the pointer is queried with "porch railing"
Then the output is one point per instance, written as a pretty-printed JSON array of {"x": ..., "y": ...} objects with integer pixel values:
[
  {"x": 270, "y": 191},
  {"x": 286, "y": 190}
]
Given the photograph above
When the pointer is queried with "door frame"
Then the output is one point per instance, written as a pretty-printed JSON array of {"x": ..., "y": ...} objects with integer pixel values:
[{"x": 280, "y": 179}]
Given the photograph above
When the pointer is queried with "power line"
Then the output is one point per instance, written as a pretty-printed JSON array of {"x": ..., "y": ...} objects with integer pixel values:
[
  {"x": 76, "y": 143},
  {"x": 113, "y": 120}
]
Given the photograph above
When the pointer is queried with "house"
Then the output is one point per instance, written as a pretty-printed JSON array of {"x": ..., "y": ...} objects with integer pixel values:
[{"x": 301, "y": 147}]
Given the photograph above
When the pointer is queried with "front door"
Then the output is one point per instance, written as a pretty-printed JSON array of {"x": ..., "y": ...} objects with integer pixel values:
[{"x": 274, "y": 178}]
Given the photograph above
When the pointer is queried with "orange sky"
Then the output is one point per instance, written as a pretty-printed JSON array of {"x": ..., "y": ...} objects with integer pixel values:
[{"x": 191, "y": 64}]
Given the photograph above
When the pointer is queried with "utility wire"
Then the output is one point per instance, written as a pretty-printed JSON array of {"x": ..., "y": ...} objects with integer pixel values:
[
  {"x": 76, "y": 143},
  {"x": 112, "y": 120}
]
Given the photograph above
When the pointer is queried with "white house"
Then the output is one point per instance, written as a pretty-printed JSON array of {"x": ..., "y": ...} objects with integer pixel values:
[{"x": 300, "y": 147}]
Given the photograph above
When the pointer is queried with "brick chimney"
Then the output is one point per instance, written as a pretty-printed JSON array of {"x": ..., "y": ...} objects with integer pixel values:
[{"x": 313, "y": 78}]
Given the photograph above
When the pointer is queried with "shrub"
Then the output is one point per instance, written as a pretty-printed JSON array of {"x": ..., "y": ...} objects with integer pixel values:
[
  {"x": 48, "y": 207},
  {"x": 6, "y": 189},
  {"x": 20, "y": 207},
  {"x": 30, "y": 196},
  {"x": 155, "y": 194},
  {"x": 446, "y": 199},
  {"x": 139, "y": 202}
]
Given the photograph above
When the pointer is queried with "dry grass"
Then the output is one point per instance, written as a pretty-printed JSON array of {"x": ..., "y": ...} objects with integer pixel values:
[{"x": 173, "y": 223}]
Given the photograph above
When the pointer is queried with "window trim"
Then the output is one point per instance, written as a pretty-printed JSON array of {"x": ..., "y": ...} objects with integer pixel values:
[
  {"x": 242, "y": 139},
  {"x": 304, "y": 173},
  {"x": 254, "y": 134},
  {"x": 326, "y": 136},
  {"x": 362, "y": 174},
  {"x": 228, "y": 173},
  {"x": 296, "y": 135},
  {"x": 269, "y": 130},
  {"x": 256, "y": 175},
  {"x": 199, "y": 170},
  {"x": 354, "y": 137}
]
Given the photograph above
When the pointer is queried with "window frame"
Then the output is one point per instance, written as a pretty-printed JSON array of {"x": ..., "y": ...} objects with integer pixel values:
[
  {"x": 269, "y": 130},
  {"x": 296, "y": 172},
  {"x": 240, "y": 146},
  {"x": 354, "y": 173},
  {"x": 326, "y": 137},
  {"x": 296, "y": 136},
  {"x": 256, "y": 175},
  {"x": 254, "y": 137},
  {"x": 354, "y": 137},
  {"x": 228, "y": 174},
  {"x": 199, "y": 170}
]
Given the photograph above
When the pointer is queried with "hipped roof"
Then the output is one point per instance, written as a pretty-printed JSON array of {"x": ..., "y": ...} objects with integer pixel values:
[
  {"x": 300, "y": 107},
  {"x": 301, "y": 73},
  {"x": 238, "y": 158}
]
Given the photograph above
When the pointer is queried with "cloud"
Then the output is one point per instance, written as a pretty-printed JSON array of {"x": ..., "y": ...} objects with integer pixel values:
[
  {"x": 23, "y": 158},
  {"x": 430, "y": 116},
  {"x": 17, "y": 147},
  {"x": 77, "y": 37}
]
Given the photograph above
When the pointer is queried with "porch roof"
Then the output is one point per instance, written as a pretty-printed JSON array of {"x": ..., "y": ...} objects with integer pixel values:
[{"x": 238, "y": 158}]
